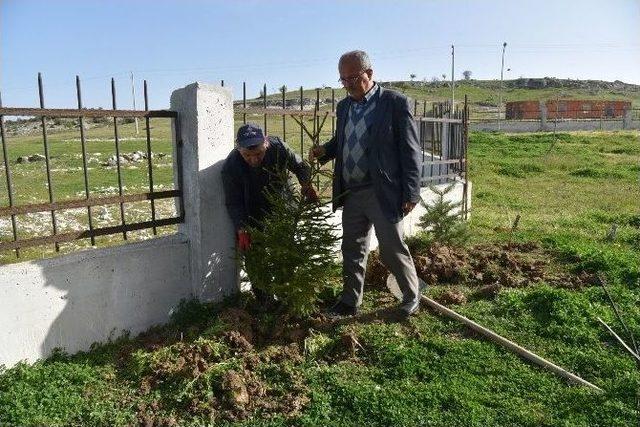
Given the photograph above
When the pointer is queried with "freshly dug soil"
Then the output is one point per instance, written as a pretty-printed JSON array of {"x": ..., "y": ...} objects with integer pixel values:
[{"x": 497, "y": 266}]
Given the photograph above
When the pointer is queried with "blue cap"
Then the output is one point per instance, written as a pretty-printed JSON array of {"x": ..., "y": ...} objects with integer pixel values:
[{"x": 249, "y": 135}]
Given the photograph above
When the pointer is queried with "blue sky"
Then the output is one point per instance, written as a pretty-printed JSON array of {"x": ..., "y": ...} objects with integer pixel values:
[{"x": 172, "y": 43}]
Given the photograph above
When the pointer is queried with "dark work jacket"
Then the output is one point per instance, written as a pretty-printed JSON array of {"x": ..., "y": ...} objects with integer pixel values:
[
  {"x": 244, "y": 186},
  {"x": 392, "y": 149}
]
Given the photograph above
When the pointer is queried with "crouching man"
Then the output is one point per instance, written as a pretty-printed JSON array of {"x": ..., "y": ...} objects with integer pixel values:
[{"x": 254, "y": 168}]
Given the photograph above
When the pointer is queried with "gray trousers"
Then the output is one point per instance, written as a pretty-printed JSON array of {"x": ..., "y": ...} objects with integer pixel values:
[{"x": 362, "y": 210}]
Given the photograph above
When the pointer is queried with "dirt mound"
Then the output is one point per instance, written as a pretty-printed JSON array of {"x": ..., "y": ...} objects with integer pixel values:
[
  {"x": 191, "y": 371},
  {"x": 376, "y": 274},
  {"x": 244, "y": 393},
  {"x": 442, "y": 264},
  {"x": 240, "y": 320},
  {"x": 237, "y": 341},
  {"x": 519, "y": 265},
  {"x": 451, "y": 297},
  {"x": 235, "y": 387},
  {"x": 437, "y": 264},
  {"x": 509, "y": 265}
]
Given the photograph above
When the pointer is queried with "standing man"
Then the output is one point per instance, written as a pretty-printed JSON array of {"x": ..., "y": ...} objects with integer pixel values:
[
  {"x": 256, "y": 165},
  {"x": 376, "y": 180}
]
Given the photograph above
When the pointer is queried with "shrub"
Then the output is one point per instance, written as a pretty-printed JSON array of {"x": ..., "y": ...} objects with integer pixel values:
[
  {"x": 442, "y": 221},
  {"x": 291, "y": 255}
]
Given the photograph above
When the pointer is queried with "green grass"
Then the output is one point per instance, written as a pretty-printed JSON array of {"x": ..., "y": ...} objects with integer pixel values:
[
  {"x": 569, "y": 189},
  {"x": 429, "y": 371}
]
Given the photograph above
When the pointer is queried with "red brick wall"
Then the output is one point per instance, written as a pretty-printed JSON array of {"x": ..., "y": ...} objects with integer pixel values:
[{"x": 567, "y": 109}]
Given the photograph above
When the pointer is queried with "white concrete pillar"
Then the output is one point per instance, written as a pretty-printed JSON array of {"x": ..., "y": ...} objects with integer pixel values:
[
  {"x": 626, "y": 119},
  {"x": 205, "y": 114},
  {"x": 543, "y": 116}
]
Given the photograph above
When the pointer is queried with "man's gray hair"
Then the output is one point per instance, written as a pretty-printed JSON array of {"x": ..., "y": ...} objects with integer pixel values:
[{"x": 360, "y": 56}]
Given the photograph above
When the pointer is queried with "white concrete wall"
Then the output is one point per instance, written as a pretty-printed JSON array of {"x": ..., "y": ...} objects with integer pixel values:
[{"x": 75, "y": 300}]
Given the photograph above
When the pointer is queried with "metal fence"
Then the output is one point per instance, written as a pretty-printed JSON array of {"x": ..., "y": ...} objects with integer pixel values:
[
  {"x": 88, "y": 201},
  {"x": 444, "y": 139},
  {"x": 304, "y": 120},
  {"x": 442, "y": 131}
]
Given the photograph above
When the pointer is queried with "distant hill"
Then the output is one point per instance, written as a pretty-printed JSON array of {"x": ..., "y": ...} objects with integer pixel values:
[
  {"x": 483, "y": 95},
  {"x": 486, "y": 93},
  {"x": 536, "y": 83}
]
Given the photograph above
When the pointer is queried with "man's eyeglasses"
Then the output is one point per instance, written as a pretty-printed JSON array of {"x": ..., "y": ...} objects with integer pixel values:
[{"x": 351, "y": 80}]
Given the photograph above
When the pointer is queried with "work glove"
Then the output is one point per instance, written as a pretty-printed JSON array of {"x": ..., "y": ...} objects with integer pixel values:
[
  {"x": 310, "y": 194},
  {"x": 244, "y": 240}
]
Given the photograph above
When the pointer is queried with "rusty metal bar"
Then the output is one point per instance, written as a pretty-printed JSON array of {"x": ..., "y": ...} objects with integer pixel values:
[
  {"x": 441, "y": 128},
  {"x": 415, "y": 107},
  {"x": 150, "y": 167},
  {"x": 284, "y": 118},
  {"x": 244, "y": 101},
  {"x": 465, "y": 146},
  {"x": 47, "y": 159},
  {"x": 424, "y": 108},
  {"x": 264, "y": 104},
  {"x": 117, "y": 142},
  {"x": 81, "y": 203},
  {"x": 7, "y": 173},
  {"x": 333, "y": 118},
  {"x": 423, "y": 139},
  {"x": 178, "y": 163},
  {"x": 301, "y": 128},
  {"x": 436, "y": 177},
  {"x": 333, "y": 112},
  {"x": 77, "y": 235},
  {"x": 316, "y": 130},
  {"x": 275, "y": 112},
  {"x": 86, "y": 112},
  {"x": 84, "y": 157},
  {"x": 433, "y": 146},
  {"x": 438, "y": 120}
]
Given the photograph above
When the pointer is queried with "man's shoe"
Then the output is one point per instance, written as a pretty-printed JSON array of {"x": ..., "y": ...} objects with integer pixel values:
[
  {"x": 409, "y": 308},
  {"x": 342, "y": 309}
]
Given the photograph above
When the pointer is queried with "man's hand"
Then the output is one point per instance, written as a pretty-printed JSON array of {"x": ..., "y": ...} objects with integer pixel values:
[
  {"x": 244, "y": 240},
  {"x": 407, "y": 207},
  {"x": 309, "y": 193},
  {"x": 316, "y": 152}
]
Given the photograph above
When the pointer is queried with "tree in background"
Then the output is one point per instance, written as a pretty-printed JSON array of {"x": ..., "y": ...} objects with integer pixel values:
[
  {"x": 467, "y": 74},
  {"x": 412, "y": 77}
]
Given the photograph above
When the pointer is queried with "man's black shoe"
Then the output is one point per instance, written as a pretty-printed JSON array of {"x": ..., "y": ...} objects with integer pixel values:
[
  {"x": 342, "y": 309},
  {"x": 409, "y": 308}
]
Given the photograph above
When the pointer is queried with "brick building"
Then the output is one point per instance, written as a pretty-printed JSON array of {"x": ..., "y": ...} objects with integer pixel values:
[{"x": 567, "y": 109}]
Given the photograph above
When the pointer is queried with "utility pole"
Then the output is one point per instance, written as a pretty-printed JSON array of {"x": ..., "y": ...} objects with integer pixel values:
[
  {"x": 453, "y": 79},
  {"x": 133, "y": 95},
  {"x": 504, "y": 46}
]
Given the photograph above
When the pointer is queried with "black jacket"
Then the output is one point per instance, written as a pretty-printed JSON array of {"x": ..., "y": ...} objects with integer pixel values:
[
  {"x": 244, "y": 186},
  {"x": 393, "y": 153}
]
